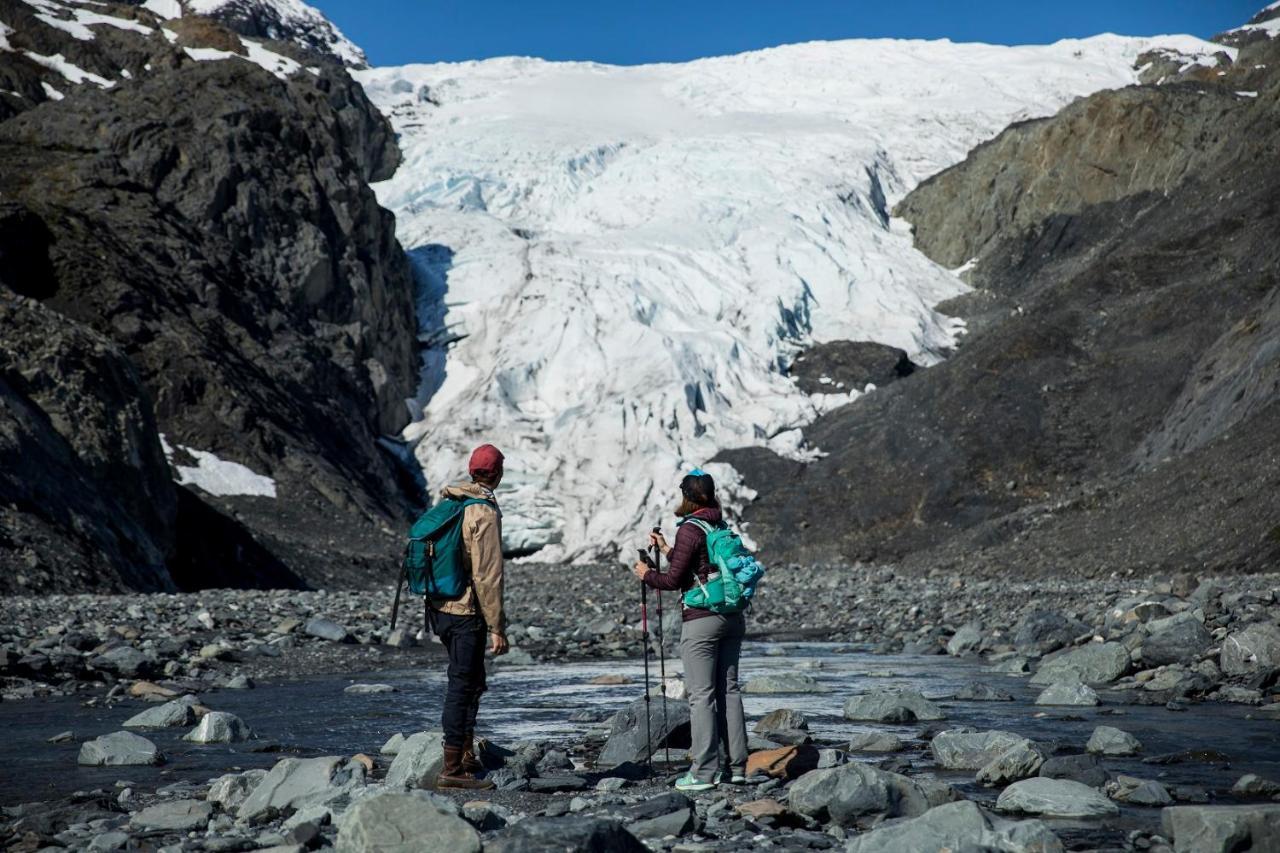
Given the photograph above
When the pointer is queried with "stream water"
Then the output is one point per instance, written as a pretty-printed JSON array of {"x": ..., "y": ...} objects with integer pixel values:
[{"x": 312, "y": 716}]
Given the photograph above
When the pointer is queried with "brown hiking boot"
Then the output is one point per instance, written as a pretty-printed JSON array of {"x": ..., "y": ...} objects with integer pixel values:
[
  {"x": 470, "y": 763},
  {"x": 454, "y": 776}
]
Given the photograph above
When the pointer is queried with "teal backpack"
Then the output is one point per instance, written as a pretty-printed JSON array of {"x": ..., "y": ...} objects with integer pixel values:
[
  {"x": 434, "y": 563},
  {"x": 731, "y": 587}
]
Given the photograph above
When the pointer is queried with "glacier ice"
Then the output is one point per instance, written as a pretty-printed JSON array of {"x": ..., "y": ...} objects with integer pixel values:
[{"x": 617, "y": 263}]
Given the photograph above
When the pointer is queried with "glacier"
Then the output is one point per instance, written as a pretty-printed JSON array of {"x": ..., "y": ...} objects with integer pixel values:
[{"x": 617, "y": 264}]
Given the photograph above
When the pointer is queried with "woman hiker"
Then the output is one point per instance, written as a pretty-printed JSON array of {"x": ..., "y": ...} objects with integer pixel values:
[{"x": 710, "y": 643}]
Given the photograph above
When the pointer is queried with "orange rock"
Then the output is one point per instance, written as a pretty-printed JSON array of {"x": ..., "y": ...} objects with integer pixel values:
[
  {"x": 365, "y": 760},
  {"x": 787, "y": 762},
  {"x": 150, "y": 690},
  {"x": 762, "y": 808},
  {"x": 610, "y": 679}
]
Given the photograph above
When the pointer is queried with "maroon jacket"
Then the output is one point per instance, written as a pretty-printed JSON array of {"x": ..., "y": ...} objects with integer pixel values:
[{"x": 688, "y": 556}]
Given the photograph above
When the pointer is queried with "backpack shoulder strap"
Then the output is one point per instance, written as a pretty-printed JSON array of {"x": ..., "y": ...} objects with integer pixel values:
[{"x": 702, "y": 524}]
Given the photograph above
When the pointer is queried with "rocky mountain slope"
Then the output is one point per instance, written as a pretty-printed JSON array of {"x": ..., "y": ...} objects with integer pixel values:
[
  {"x": 1115, "y": 404},
  {"x": 194, "y": 265}
]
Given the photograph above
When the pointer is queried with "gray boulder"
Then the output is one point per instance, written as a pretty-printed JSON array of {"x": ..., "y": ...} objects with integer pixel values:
[
  {"x": 1093, "y": 663},
  {"x": 1253, "y": 785},
  {"x": 119, "y": 749},
  {"x": 368, "y": 689},
  {"x": 557, "y": 835},
  {"x": 1107, "y": 740},
  {"x": 1175, "y": 639},
  {"x": 232, "y": 789},
  {"x": 657, "y": 817},
  {"x": 956, "y": 749},
  {"x": 891, "y": 706},
  {"x": 627, "y": 740},
  {"x": 846, "y": 793},
  {"x": 1254, "y": 649},
  {"x": 404, "y": 822},
  {"x": 1222, "y": 829},
  {"x": 962, "y": 825},
  {"x": 1138, "y": 792},
  {"x": 1043, "y": 631},
  {"x": 326, "y": 629},
  {"x": 174, "y": 816},
  {"x": 965, "y": 640},
  {"x": 219, "y": 727},
  {"x": 393, "y": 744},
  {"x": 781, "y": 720},
  {"x": 875, "y": 742},
  {"x": 976, "y": 691},
  {"x": 1069, "y": 693},
  {"x": 125, "y": 661},
  {"x": 1054, "y": 798},
  {"x": 1020, "y": 761},
  {"x": 784, "y": 682},
  {"x": 289, "y": 784},
  {"x": 175, "y": 713},
  {"x": 418, "y": 761}
]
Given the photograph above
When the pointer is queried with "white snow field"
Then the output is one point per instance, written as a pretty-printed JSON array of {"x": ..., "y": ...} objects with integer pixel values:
[{"x": 615, "y": 263}]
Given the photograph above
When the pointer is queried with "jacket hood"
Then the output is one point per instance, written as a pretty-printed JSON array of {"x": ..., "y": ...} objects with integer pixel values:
[
  {"x": 467, "y": 490},
  {"x": 708, "y": 513}
]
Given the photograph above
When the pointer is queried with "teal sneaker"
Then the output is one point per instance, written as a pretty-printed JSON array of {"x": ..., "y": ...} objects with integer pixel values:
[{"x": 687, "y": 782}]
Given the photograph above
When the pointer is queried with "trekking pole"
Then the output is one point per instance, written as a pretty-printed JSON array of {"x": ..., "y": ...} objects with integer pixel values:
[
  {"x": 662, "y": 654},
  {"x": 395, "y": 605},
  {"x": 648, "y": 714}
]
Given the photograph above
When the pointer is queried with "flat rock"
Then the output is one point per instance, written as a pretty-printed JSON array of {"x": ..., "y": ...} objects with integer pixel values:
[
  {"x": 891, "y": 706},
  {"x": 757, "y": 809},
  {"x": 782, "y": 719},
  {"x": 175, "y": 816},
  {"x": 627, "y": 738},
  {"x": 1020, "y": 761},
  {"x": 788, "y": 762},
  {"x": 558, "y": 835},
  {"x": 418, "y": 761},
  {"x": 957, "y": 826},
  {"x": 1253, "y": 785},
  {"x": 875, "y": 742},
  {"x": 288, "y": 784},
  {"x": 1083, "y": 768},
  {"x": 956, "y": 749},
  {"x": 232, "y": 789},
  {"x": 404, "y": 822},
  {"x": 976, "y": 691},
  {"x": 671, "y": 813},
  {"x": 326, "y": 629},
  {"x": 1222, "y": 829},
  {"x": 844, "y": 794},
  {"x": 219, "y": 727},
  {"x": 366, "y": 689},
  {"x": 1043, "y": 631},
  {"x": 1092, "y": 664},
  {"x": 784, "y": 682},
  {"x": 1138, "y": 792},
  {"x": 174, "y": 713},
  {"x": 119, "y": 749},
  {"x": 1055, "y": 798},
  {"x": 1107, "y": 740},
  {"x": 125, "y": 661},
  {"x": 1069, "y": 693}
]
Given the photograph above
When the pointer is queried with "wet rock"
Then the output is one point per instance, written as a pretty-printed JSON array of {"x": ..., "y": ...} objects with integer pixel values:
[
  {"x": 238, "y": 682},
  {"x": 418, "y": 761},
  {"x": 405, "y": 822},
  {"x": 1020, "y": 761},
  {"x": 1254, "y": 649},
  {"x": 784, "y": 682},
  {"x": 1175, "y": 639},
  {"x": 962, "y": 825},
  {"x": 844, "y": 794},
  {"x": 175, "y": 713},
  {"x": 788, "y": 762},
  {"x": 287, "y": 785},
  {"x": 780, "y": 720},
  {"x": 393, "y": 744},
  {"x": 976, "y": 691},
  {"x": 1221, "y": 829},
  {"x": 368, "y": 689},
  {"x": 1138, "y": 792},
  {"x": 666, "y": 814},
  {"x": 1054, "y": 798},
  {"x": 119, "y": 748},
  {"x": 1252, "y": 785},
  {"x": 891, "y": 706},
  {"x": 1107, "y": 740},
  {"x": 875, "y": 742},
  {"x": 327, "y": 629},
  {"x": 609, "y": 679},
  {"x": 64, "y": 737},
  {"x": 175, "y": 816},
  {"x": 1082, "y": 768},
  {"x": 956, "y": 749},
  {"x": 1092, "y": 664},
  {"x": 1016, "y": 665},
  {"x": 627, "y": 737},
  {"x": 1043, "y": 631},
  {"x": 124, "y": 661},
  {"x": 232, "y": 789},
  {"x": 556, "y": 835},
  {"x": 219, "y": 727},
  {"x": 150, "y": 691},
  {"x": 1069, "y": 693}
]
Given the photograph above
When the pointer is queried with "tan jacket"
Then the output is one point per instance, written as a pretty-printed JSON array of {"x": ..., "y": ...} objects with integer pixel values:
[{"x": 482, "y": 548}]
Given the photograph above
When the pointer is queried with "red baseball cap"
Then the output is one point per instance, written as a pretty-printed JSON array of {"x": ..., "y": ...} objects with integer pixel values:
[{"x": 485, "y": 459}]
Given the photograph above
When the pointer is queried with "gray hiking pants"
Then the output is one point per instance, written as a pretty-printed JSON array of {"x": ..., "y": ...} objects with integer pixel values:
[{"x": 710, "y": 647}]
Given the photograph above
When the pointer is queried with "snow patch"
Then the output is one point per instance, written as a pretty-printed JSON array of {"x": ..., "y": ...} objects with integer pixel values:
[
  {"x": 5, "y": 32},
  {"x": 614, "y": 263},
  {"x": 166, "y": 9},
  {"x": 71, "y": 72},
  {"x": 279, "y": 65},
  {"x": 294, "y": 14},
  {"x": 218, "y": 476},
  {"x": 50, "y": 92}
]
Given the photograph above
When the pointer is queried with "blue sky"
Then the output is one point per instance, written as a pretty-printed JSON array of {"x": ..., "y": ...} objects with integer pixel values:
[{"x": 394, "y": 32}]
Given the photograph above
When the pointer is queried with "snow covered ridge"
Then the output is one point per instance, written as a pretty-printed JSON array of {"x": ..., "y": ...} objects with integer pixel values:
[
  {"x": 616, "y": 263},
  {"x": 217, "y": 476},
  {"x": 283, "y": 20}
]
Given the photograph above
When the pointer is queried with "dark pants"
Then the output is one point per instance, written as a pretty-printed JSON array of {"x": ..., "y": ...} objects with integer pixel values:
[{"x": 463, "y": 638}]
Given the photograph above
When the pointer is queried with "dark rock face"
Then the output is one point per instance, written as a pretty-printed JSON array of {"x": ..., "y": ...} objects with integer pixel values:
[
  {"x": 849, "y": 366},
  {"x": 216, "y": 223},
  {"x": 1117, "y": 404},
  {"x": 285, "y": 22}
]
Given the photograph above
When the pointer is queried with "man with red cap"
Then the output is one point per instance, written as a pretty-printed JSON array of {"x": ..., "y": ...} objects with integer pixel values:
[{"x": 462, "y": 625}]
